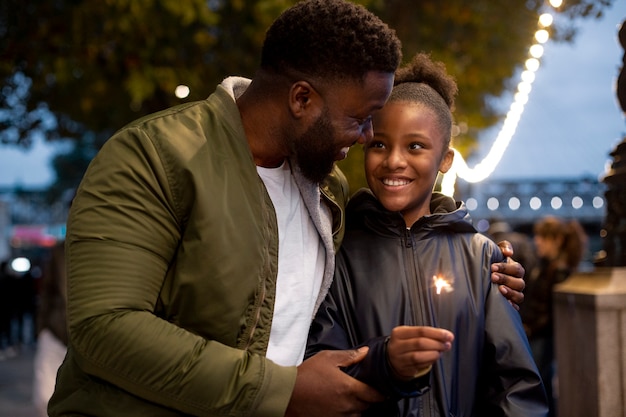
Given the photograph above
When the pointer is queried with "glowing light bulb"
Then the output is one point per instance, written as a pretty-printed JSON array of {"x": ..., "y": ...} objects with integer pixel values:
[
  {"x": 546, "y": 20},
  {"x": 528, "y": 76},
  {"x": 182, "y": 91},
  {"x": 536, "y": 51},
  {"x": 542, "y": 36},
  {"x": 532, "y": 64},
  {"x": 556, "y": 3}
]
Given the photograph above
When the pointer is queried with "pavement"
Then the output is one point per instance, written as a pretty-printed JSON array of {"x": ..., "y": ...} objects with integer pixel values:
[{"x": 16, "y": 379}]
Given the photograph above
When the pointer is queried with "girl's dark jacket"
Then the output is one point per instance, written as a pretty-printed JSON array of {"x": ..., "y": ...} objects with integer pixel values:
[{"x": 384, "y": 278}]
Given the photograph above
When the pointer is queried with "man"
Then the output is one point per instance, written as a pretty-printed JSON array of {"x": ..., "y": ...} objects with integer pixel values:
[{"x": 202, "y": 238}]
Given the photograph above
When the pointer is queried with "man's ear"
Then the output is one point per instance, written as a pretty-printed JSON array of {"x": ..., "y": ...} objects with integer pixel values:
[
  {"x": 303, "y": 99},
  {"x": 446, "y": 161}
]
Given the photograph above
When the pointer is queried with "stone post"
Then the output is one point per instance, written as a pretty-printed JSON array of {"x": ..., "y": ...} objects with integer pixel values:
[
  {"x": 590, "y": 339},
  {"x": 590, "y": 308}
]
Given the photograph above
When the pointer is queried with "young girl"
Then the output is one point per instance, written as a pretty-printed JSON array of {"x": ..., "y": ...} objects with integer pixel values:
[{"x": 412, "y": 265}]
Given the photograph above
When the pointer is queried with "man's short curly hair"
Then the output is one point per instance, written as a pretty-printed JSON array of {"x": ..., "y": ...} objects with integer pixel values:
[{"x": 332, "y": 39}]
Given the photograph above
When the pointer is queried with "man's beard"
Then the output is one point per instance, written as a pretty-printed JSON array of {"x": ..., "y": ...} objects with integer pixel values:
[{"x": 315, "y": 150}]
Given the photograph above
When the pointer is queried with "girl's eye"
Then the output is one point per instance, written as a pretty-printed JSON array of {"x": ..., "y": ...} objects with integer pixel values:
[
  {"x": 415, "y": 146},
  {"x": 375, "y": 144}
]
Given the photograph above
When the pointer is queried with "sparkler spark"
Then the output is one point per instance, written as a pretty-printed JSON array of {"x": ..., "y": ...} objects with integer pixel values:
[{"x": 442, "y": 284}]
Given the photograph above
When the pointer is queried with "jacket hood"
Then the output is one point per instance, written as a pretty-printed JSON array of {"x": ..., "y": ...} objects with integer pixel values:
[{"x": 364, "y": 210}]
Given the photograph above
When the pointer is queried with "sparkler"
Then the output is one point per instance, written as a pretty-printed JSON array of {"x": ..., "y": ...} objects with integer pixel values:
[{"x": 442, "y": 284}]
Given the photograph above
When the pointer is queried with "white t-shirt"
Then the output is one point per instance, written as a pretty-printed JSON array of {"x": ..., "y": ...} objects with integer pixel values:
[{"x": 301, "y": 262}]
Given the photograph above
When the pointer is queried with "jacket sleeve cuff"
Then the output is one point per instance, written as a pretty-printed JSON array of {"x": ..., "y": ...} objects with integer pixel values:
[
  {"x": 274, "y": 396},
  {"x": 376, "y": 371}
]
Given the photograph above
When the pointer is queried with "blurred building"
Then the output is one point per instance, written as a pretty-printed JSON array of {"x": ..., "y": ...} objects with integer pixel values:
[
  {"x": 29, "y": 222},
  {"x": 521, "y": 202}
]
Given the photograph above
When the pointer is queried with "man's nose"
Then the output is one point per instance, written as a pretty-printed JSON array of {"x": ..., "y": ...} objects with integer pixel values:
[{"x": 367, "y": 133}]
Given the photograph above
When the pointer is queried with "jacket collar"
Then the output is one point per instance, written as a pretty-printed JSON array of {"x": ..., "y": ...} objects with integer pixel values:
[{"x": 365, "y": 211}]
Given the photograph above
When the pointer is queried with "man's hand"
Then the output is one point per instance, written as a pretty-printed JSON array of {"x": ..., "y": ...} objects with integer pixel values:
[
  {"x": 323, "y": 389},
  {"x": 509, "y": 276},
  {"x": 413, "y": 349}
]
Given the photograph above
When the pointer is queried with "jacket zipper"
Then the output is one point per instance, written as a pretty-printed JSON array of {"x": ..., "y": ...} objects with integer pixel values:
[
  {"x": 422, "y": 316},
  {"x": 332, "y": 203},
  {"x": 261, "y": 298},
  {"x": 417, "y": 306},
  {"x": 415, "y": 282},
  {"x": 257, "y": 317}
]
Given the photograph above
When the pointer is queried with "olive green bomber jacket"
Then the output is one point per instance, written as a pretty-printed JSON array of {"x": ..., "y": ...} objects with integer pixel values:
[{"x": 172, "y": 252}]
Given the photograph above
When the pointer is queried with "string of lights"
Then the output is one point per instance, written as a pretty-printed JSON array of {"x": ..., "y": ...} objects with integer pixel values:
[{"x": 483, "y": 169}]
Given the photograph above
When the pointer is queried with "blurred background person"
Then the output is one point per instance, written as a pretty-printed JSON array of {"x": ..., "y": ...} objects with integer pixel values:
[
  {"x": 23, "y": 302},
  {"x": 6, "y": 312},
  {"x": 560, "y": 245},
  {"x": 51, "y": 328},
  {"x": 522, "y": 244},
  {"x": 18, "y": 305}
]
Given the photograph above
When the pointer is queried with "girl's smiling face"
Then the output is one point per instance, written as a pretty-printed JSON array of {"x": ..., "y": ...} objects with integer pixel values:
[{"x": 404, "y": 157}]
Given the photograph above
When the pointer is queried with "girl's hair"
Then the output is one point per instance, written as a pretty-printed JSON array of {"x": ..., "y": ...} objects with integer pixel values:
[
  {"x": 424, "y": 81},
  {"x": 422, "y": 69},
  {"x": 574, "y": 238}
]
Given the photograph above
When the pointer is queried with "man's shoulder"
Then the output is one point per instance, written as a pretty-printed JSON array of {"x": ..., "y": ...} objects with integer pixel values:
[
  {"x": 220, "y": 105},
  {"x": 190, "y": 125}
]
